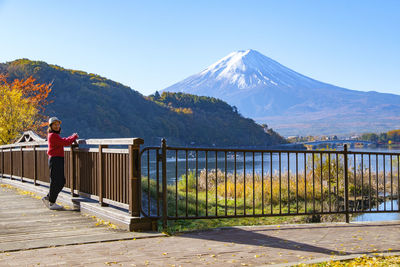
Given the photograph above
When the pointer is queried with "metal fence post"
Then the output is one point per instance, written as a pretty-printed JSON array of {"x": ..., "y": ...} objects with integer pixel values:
[
  {"x": 164, "y": 183},
  {"x": 346, "y": 184},
  {"x": 135, "y": 200}
]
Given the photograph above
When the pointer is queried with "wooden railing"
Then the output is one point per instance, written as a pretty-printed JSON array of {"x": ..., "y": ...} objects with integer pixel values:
[{"x": 106, "y": 170}]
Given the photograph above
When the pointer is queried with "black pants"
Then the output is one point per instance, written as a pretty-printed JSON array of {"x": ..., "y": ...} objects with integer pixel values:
[{"x": 57, "y": 178}]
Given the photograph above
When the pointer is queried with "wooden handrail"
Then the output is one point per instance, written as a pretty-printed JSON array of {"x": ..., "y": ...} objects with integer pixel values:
[
  {"x": 110, "y": 141},
  {"x": 25, "y": 144}
]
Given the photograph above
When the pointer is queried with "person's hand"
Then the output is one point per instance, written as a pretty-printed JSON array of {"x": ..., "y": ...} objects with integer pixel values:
[{"x": 75, "y": 134}]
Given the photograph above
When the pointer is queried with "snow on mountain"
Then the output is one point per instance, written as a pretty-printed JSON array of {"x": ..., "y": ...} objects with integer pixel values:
[
  {"x": 244, "y": 70},
  {"x": 290, "y": 102},
  {"x": 249, "y": 69}
]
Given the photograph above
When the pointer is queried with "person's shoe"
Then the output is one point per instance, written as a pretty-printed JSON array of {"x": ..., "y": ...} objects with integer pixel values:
[
  {"x": 55, "y": 206},
  {"x": 46, "y": 201}
]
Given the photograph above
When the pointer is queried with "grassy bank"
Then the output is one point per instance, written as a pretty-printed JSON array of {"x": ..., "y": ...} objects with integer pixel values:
[{"x": 252, "y": 198}]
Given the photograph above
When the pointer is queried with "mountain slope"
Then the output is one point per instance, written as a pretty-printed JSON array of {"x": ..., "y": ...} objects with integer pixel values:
[
  {"x": 96, "y": 107},
  {"x": 292, "y": 103}
]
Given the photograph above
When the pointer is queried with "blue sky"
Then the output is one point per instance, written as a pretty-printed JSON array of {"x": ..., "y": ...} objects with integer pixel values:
[{"x": 149, "y": 45}]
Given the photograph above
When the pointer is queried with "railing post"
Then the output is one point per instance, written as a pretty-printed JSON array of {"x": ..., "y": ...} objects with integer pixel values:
[
  {"x": 135, "y": 200},
  {"x": 164, "y": 183},
  {"x": 22, "y": 164},
  {"x": 346, "y": 185},
  {"x": 2, "y": 162},
  {"x": 72, "y": 170},
  {"x": 11, "y": 164},
  {"x": 34, "y": 165},
  {"x": 100, "y": 175}
]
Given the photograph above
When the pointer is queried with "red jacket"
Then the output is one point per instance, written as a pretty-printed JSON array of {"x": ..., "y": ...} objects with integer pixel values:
[{"x": 57, "y": 144}]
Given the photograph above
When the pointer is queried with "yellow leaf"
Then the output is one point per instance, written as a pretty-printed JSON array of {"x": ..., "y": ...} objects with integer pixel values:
[{"x": 17, "y": 114}]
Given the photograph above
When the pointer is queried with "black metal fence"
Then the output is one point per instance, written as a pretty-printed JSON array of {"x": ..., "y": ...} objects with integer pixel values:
[{"x": 197, "y": 183}]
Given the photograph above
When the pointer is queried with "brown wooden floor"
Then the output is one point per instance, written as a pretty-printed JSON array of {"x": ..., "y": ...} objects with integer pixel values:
[{"x": 25, "y": 223}]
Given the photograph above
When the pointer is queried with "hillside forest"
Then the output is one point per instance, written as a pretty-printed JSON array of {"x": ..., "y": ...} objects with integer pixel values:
[{"x": 97, "y": 107}]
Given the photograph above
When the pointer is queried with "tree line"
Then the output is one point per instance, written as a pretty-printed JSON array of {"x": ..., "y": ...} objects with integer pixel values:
[
  {"x": 97, "y": 107},
  {"x": 389, "y": 137}
]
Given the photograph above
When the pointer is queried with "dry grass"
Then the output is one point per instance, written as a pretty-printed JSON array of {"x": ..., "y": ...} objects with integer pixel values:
[{"x": 272, "y": 189}]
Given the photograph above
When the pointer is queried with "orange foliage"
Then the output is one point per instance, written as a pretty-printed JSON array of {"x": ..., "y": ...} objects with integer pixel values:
[
  {"x": 394, "y": 132},
  {"x": 183, "y": 110},
  {"x": 36, "y": 94}
]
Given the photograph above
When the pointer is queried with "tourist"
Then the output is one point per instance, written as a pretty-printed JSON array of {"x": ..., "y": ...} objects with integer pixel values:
[{"x": 55, "y": 152}]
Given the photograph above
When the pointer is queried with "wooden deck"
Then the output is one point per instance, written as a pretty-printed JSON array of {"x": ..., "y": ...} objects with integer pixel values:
[{"x": 25, "y": 223}]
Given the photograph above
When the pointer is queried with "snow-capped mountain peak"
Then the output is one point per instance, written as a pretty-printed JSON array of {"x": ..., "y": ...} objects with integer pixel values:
[
  {"x": 241, "y": 68},
  {"x": 267, "y": 91},
  {"x": 248, "y": 69},
  {"x": 242, "y": 71}
]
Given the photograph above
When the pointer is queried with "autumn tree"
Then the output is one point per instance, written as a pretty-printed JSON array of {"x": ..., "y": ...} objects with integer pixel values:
[
  {"x": 22, "y": 104},
  {"x": 394, "y": 135}
]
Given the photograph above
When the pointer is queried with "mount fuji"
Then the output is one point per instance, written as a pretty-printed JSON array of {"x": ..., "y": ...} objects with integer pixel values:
[{"x": 290, "y": 102}]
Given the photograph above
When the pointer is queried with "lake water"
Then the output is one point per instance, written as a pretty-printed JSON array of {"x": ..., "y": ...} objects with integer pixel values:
[
  {"x": 387, "y": 216},
  {"x": 177, "y": 166}
]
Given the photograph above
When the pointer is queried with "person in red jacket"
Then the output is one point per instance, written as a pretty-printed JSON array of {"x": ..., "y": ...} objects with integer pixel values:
[{"x": 55, "y": 152}]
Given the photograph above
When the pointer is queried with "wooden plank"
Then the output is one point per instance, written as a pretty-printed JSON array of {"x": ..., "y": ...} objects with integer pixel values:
[
  {"x": 53, "y": 234},
  {"x": 29, "y": 224},
  {"x": 62, "y": 241}
]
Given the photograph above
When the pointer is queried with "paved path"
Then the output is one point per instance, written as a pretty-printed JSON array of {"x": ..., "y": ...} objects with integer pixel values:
[{"x": 240, "y": 246}]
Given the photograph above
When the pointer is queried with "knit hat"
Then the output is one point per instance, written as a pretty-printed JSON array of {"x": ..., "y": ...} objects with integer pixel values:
[{"x": 53, "y": 119}]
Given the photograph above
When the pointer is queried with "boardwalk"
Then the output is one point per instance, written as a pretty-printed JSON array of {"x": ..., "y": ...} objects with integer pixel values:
[
  {"x": 26, "y": 224},
  {"x": 29, "y": 233}
]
